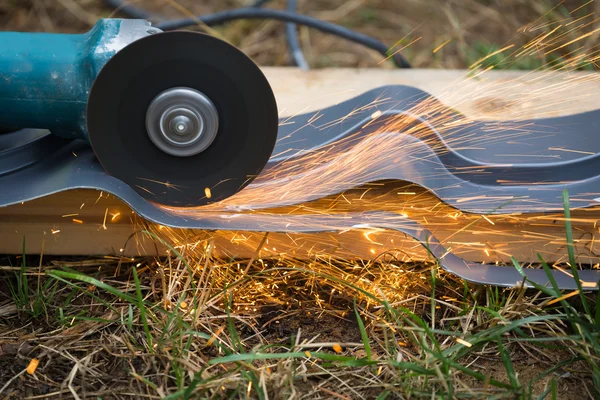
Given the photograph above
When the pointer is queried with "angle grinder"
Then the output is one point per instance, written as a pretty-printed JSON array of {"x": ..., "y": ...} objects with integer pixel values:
[{"x": 181, "y": 117}]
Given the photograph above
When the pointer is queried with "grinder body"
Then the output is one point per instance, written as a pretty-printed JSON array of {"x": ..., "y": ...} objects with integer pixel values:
[
  {"x": 45, "y": 79},
  {"x": 182, "y": 118}
]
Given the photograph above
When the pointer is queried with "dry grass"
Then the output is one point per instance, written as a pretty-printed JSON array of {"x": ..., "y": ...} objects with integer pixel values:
[{"x": 192, "y": 325}]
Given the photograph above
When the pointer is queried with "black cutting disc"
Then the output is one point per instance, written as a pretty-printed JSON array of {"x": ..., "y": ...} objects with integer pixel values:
[{"x": 127, "y": 84}]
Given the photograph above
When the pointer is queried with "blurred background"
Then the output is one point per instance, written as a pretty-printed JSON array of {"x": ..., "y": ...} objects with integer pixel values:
[{"x": 461, "y": 31}]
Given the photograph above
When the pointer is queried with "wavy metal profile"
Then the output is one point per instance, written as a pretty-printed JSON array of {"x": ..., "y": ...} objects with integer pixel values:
[{"x": 405, "y": 134}]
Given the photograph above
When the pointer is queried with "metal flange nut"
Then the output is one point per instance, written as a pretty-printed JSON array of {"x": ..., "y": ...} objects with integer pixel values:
[{"x": 182, "y": 121}]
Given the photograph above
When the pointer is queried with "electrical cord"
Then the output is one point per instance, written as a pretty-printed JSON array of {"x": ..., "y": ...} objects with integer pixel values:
[
  {"x": 291, "y": 33},
  {"x": 138, "y": 13},
  {"x": 130, "y": 11},
  {"x": 285, "y": 16},
  {"x": 260, "y": 3},
  {"x": 252, "y": 12}
]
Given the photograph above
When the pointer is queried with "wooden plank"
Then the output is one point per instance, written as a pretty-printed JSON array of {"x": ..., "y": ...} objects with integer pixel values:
[
  {"x": 58, "y": 225},
  {"x": 85, "y": 222},
  {"x": 74, "y": 223},
  {"x": 495, "y": 94}
]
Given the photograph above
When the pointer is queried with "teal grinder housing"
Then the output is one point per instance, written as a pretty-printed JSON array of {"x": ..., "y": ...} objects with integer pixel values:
[
  {"x": 168, "y": 113},
  {"x": 45, "y": 79}
]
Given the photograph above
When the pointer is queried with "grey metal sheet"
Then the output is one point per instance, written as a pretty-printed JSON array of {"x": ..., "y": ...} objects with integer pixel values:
[{"x": 43, "y": 165}]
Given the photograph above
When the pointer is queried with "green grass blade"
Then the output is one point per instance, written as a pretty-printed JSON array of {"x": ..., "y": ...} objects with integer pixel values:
[
  {"x": 571, "y": 251},
  {"x": 144, "y": 380},
  {"x": 546, "y": 290},
  {"x": 569, "y": 229},
  {"x": 597, "y": 316},
  {"x": 543, "y": 395},
  {"x": 478, "y": 375},
  {"x": 555, "y": 367},
  {"x": 77, "y": 289},
  {"x": 548, "y": 272},
  {"x": 433, "y": 274},
  {"x": 483, "y": 337},
  {"x": 508, "y": 365},
  {"x": 255, "y": 384},
  {"x": 363, "y": 331},
  {"x": 273, "y": 356},
  {"x": 92, "y": 281},
  {"x": 235, "y": 338},
  {"x": 129, "y": 322},
  {"x": 24, "y": 285},
  {"x": 414, "y": 368},
  {"x": 142, "y": 308},
  {"x": 383, "y": 395}
]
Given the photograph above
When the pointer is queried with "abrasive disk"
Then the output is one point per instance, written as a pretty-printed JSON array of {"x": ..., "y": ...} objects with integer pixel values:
[{"x": 126, "y": 87}]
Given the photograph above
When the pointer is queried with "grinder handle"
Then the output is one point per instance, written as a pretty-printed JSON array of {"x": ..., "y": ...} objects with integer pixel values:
[{"x": 45, "y": 79}]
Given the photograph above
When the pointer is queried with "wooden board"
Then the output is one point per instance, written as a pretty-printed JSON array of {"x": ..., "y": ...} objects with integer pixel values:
[{"x": 85, "y": 222}]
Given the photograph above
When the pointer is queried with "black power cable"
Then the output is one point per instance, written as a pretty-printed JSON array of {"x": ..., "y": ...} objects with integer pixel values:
[
  {"x": 130, "y": 11},
  {"x": 291, "y": 33},
  {"x": 285, "y": 16},
  {"x": 267, "y": 13},
  {"x": 139, "y": 13},
  {"x": 290, "y": 28},
  {"x": 260, "y": 3}
]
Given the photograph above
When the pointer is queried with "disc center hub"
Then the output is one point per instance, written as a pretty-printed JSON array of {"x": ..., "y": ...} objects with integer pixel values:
[
  {"x": 181, "y": 125},
  {"x": 182, "y": 121}
]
